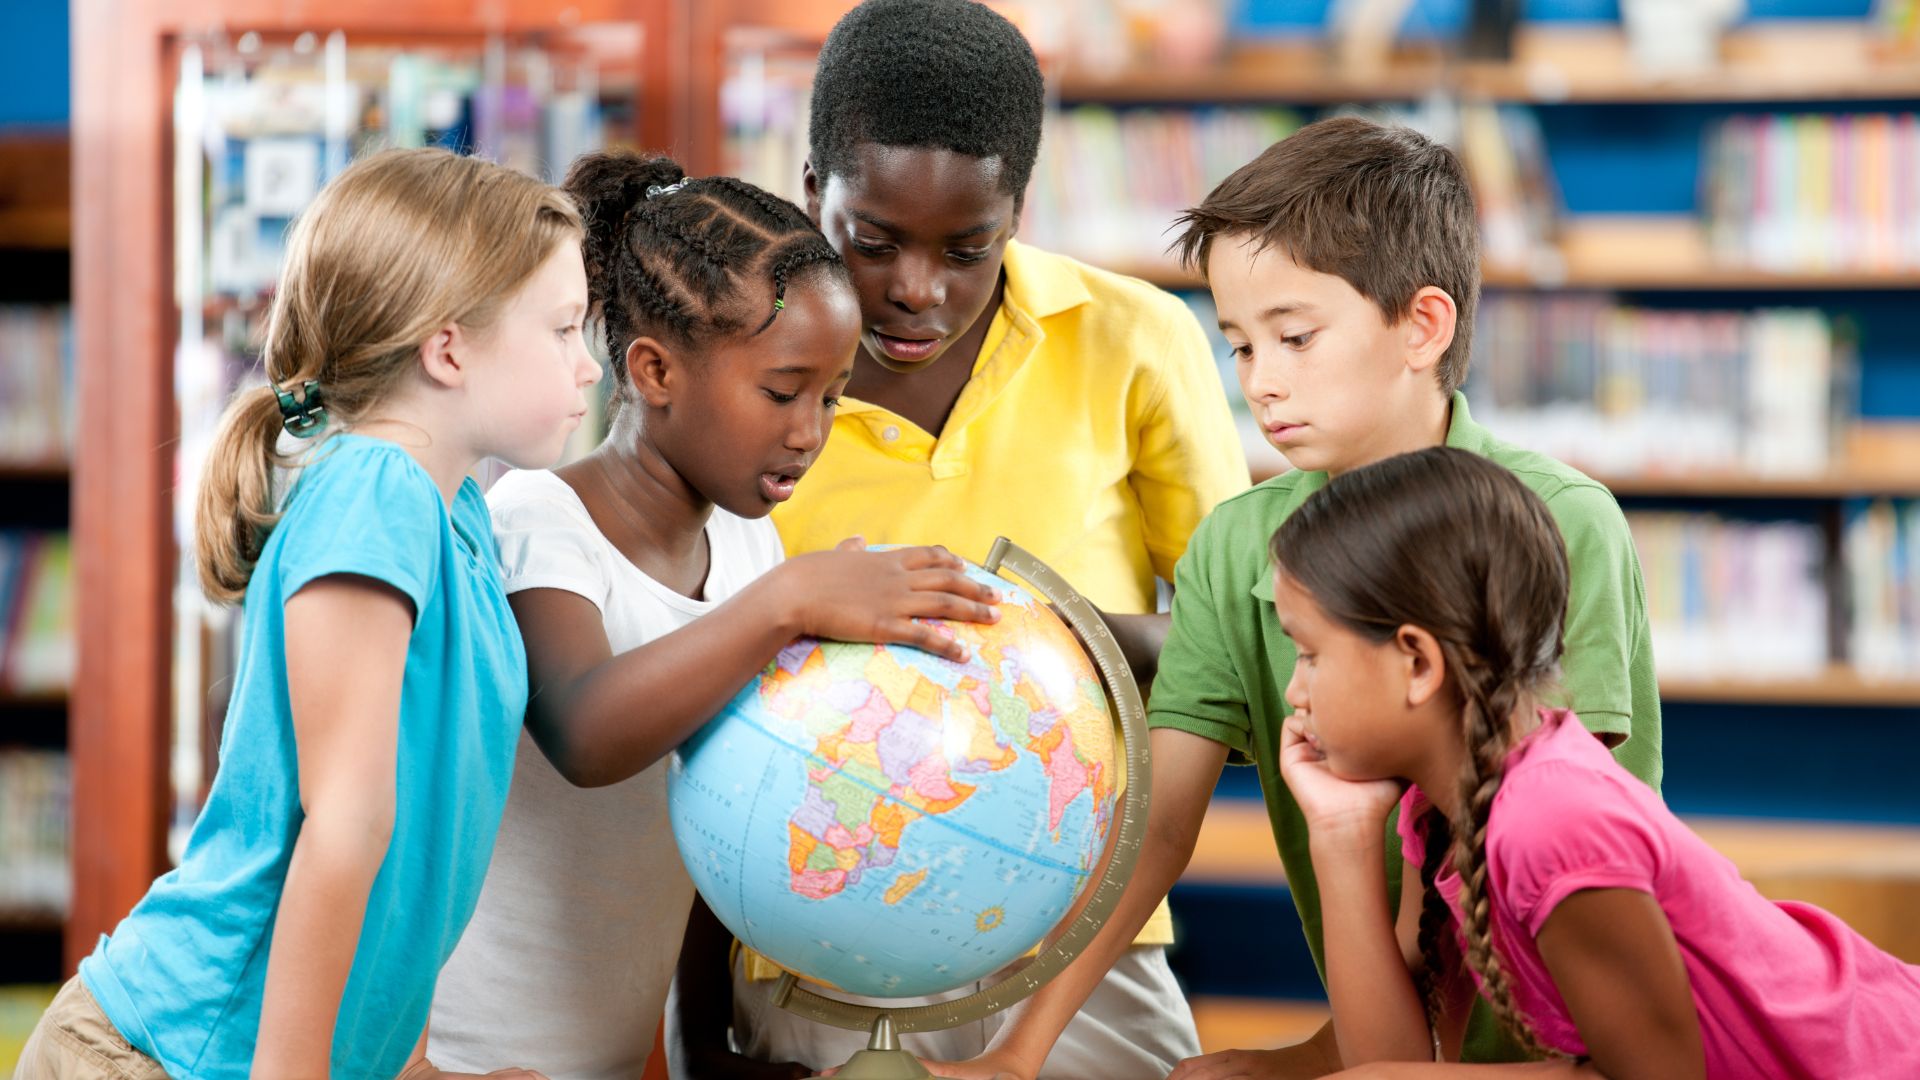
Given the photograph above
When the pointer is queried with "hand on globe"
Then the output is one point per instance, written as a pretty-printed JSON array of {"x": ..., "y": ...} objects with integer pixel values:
[{"x": 850, "y": 594}]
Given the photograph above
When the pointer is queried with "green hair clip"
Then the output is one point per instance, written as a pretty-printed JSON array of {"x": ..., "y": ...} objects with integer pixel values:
[
  {"x": 303, "y": 418},
  {"x": 779, "y": 304}
]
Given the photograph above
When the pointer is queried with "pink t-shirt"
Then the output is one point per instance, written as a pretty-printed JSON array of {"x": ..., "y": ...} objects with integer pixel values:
[{"x": 1782, "y": 989}]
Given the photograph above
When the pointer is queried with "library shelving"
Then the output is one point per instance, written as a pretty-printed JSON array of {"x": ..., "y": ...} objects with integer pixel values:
[{"x": 35, "y": 451}]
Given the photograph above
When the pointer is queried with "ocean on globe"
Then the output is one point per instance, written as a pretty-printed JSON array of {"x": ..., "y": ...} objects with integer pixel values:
[{"x": 892, "y": 824}]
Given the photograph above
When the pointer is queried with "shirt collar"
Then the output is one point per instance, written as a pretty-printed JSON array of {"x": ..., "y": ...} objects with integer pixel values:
[{"x": 1040, "y": 283}]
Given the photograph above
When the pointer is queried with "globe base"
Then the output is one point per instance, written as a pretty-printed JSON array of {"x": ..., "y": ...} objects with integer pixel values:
[{"x": 883, "y": 1059}]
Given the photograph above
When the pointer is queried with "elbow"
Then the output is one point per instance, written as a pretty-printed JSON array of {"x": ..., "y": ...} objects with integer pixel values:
[
  {"x": 353, "y": 829},
  {"x": 583, "y": 771},
  {"x": 580, "y": 764}
]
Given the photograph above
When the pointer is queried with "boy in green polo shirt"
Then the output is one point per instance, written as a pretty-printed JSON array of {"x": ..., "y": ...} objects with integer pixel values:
[{"x": 1344, "y": 262}]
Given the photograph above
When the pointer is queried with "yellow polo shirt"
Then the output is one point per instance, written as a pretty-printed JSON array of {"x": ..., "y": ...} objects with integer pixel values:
[{"x": 1094, "y": 433}]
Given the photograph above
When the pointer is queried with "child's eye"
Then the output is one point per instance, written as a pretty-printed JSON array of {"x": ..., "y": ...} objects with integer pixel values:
[
  {"x": 1299, "y": 341},
  {"x": 967, "y": 258},
  {"x": 780, "y": 398},
  {"x": 1243, "y": 352},
  {"x": 831, "y": 402},
  {"x": 565, "y": 330},
  {"x": 865, "y": 247}
]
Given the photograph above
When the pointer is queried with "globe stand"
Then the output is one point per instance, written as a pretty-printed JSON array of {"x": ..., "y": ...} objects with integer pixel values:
[{"x": 884, "y": 1059}]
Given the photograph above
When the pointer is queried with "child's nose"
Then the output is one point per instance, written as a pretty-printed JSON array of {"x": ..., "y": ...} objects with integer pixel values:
[
  {"x": 1265, "y": 381},
  {"x": 916, "y": 285},
  {"x": 1296, "y": 694}
]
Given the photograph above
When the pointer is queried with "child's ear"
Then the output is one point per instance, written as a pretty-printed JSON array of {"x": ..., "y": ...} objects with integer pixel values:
[
  {"x": 1426, "y": 664},
  {"x": 1429, "y": 324},
  {"x": 443, "y": 356},
  {"x": 653, "y": 371},
  {"x": 810, "y": 184}
]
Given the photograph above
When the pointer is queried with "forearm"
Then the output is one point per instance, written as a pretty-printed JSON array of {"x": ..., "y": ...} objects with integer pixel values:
[
  {"x": 1140, "y": 638},
  {"x": 1558, "y": 1069},
  {"x": 1037, "y": 1025},
  {"x": 627, "y": 713},
  {"x": 316, "y": 934},
  {"x": 1377, "y": 1015},
  {"x": 702, "y": 1000}
]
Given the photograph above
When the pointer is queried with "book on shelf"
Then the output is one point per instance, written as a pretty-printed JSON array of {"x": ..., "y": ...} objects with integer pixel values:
[
  {"x": 1514, "y": 189},
  {"x": 276, "y": 124},
  {"x": 1729, "y": 598},
  {"x": 1106, "y": 188},
  {"x": 1620, "y": 390},
  {"x": 1811, "y": 193},
  {"x": 36, "y": 613},
  {"x": 1109, "y": 183},
  {"x": 35, "y": 808},
  {"x": 1881, "y": 546},
  {"x": 36, "y": 384}
]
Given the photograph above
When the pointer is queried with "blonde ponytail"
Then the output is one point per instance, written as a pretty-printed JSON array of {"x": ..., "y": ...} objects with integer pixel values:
[{"x": 399, "y": 245}]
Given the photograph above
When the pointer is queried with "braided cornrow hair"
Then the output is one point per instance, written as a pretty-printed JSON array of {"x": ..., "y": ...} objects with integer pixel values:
[
  {"x": 684, "y": 260},
  {"x": 1489, "y": 582}
]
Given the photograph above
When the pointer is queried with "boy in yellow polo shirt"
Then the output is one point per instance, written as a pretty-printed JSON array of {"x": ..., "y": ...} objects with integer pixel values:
[{"x": 998, "y": 390}]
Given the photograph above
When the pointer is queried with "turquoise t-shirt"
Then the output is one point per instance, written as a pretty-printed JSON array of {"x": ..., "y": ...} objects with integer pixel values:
[{"x": 183, "y": 976}]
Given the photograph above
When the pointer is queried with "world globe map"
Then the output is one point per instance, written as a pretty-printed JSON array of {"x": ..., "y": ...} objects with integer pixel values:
[{"x": 889, "y": 823}]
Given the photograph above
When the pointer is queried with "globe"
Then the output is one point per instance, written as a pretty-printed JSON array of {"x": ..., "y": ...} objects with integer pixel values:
[{"x": 890, "y": 823}]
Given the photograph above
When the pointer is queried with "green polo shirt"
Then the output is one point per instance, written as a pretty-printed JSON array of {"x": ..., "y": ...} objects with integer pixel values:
[{"x": 1224, "y": 671}]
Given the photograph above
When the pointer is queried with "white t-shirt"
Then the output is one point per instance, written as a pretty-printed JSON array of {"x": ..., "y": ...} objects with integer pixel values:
[{"x": 566, "y": 963}]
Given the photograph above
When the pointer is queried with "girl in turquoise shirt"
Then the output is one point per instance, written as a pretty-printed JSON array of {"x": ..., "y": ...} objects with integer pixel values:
[{"x": 428, "y": 317}]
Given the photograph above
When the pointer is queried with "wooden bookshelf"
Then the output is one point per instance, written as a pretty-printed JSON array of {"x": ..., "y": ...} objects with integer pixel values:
[
  {"x": 39, "y": 699},
  {"x": 1867, "y": 874},
  {"x": 1841, "y": 482},
  {"x": 50, "y": 472},
  {"x": 1838, "y": 685},
  {"x": 1813, "y": 60},
  {"x": 36, "y": 211},
  {"x": 1232, "y": 1023},
  {"x": 1617, "y": 252}
]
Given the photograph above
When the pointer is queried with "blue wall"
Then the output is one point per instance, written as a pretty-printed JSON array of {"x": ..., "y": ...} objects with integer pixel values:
[{"x": 35, "y": 79}]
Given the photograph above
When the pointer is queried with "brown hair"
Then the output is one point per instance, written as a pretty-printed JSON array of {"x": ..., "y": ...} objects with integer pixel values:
[
  {"x": 1383, "y": 208},
  {"x": 400, "y": 244},
  {"x": 678, "y": 259},
  {"x": 1492, "y": 590}
]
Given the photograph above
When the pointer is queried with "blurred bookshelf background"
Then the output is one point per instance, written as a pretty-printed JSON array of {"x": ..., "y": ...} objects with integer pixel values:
[{"x": 1702, "y": 266}]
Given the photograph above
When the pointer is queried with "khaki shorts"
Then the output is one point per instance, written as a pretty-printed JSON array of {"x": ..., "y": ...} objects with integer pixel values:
[{"x": 76, "y": 1041}]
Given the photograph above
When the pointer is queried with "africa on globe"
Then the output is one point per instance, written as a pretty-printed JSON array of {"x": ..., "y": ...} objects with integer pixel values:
[{"x": 889, "y": 823}]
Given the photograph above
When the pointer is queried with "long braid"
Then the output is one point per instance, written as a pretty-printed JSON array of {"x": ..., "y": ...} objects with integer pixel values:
[
  {"x": 1487, "y": 721},
  {"x": 1438, "y": 949},
  {"x": 1491, "y": 589}
]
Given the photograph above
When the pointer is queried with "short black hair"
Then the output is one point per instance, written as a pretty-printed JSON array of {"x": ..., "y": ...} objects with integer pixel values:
[{"x": 944, "y": 74}]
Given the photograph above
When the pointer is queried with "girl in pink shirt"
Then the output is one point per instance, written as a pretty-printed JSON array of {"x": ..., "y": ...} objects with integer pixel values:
[{"x": 1608, "y": 938}]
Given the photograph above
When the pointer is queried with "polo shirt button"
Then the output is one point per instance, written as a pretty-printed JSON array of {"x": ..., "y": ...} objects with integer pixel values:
[{"x": 891, "y": 434}]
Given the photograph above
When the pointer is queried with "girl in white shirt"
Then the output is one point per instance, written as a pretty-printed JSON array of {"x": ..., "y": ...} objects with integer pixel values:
[{"x": 649, "y": 586}]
